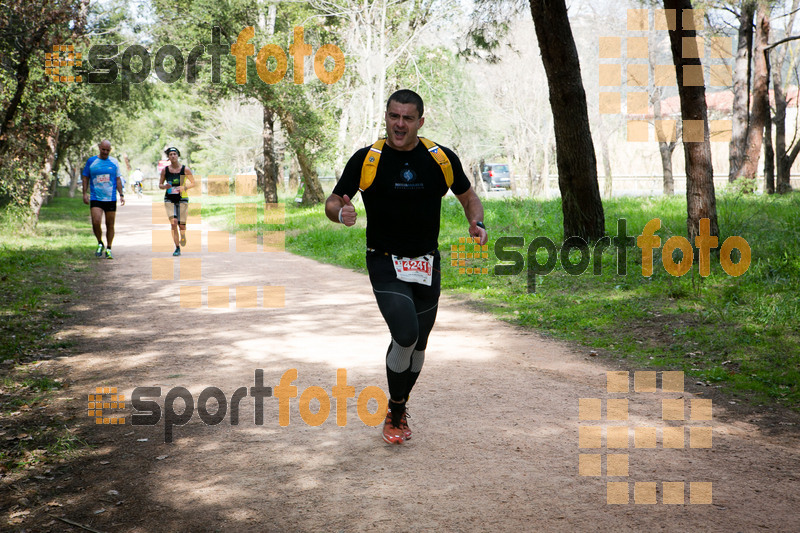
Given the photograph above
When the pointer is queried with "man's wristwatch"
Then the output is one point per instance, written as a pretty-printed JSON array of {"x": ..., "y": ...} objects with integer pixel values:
[{"x": 480, "y": 225}]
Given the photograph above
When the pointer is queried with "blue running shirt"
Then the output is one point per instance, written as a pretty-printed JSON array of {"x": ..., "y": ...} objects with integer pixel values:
[{"x": 102, "y": 174}]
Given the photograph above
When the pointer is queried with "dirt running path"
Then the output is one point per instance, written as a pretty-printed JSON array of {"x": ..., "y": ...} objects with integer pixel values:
[{"x": 495, "y": 419}]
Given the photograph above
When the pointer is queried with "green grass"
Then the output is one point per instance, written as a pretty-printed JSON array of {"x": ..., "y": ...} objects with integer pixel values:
[
  {"x": 738, "y": 333},
  {"x": 38, "y": 270}
]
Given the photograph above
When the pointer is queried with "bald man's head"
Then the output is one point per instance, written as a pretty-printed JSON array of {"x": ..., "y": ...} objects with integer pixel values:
[{"x": 105, "y": 148}]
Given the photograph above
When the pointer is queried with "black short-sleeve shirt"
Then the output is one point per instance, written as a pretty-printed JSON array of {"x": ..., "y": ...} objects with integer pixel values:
[{"x": 404, "y": 202}]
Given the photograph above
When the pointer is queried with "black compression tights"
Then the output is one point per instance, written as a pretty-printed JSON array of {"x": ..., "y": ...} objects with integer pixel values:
[{"x": 409, "y": 310}]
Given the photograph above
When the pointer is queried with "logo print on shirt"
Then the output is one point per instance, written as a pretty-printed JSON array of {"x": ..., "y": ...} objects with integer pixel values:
[{"x": 408, "y": 179}]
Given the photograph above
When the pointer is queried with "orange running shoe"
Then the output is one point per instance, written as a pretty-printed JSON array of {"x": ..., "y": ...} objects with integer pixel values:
[
  {"x": 404, "y": 425},
  {"x": 393, "y": 431}
]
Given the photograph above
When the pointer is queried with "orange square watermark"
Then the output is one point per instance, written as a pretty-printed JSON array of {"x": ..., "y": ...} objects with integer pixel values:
[
  {"x": 617, "y": 493},
  {"x": 700, "y": 437},
  {"x": 644, "y": 492},
  {"x": 246, "y": 241},
  {"x": 218, "y": 185},
  {"x": 97, "y": 405},
  {"x": 590, "y": 436},
  {"x": 638, "y": 20},
  {"x": 720, "y": 130},
  {"x": 672, "y": 492},
  {"x": 692, "y": 75},
  {"x": 193, "y": 237},
  {"x": 617, "y": 464},
  {"x": 720, "y": 47},
  {"x": 245, "y": 185},
  {"x": 158, "y": 213},
  {"x": 191, "y": 297},
  {"x": 617, "y": 409},
  {"x": 274, "y": 213},
  {"x": 672, "y": 381},
  {"x": 590, "y": 408},
  {"x": 664, "y": 76},
  {"x": 219, "y": 297},
  {"x": 162, "y": 240},
  {"x": 246, "y": 297},
  {"x": 163, "y": 268},
  {"x": 692, "y": 47},
  {"x": 693, "y": 131},
  {"x": 617, "y": 437},
  {"x": 610, "y": 75},
  {"x": 692, "y": 19},
  {"x": 720, "y": 76},
  {"x": 196, "y": 189},
  {"x": 638, "y": 103},
  {"x": 274, "y": 296},
  {"x": 700, "y": 493},
  {"x": 672, "y": 409},
  {"x": 644, "y": 381},
  {"x": 219, "y": 241},
  {"x": 637, "y": 75},
  {"x": 637, "y": 131},
  {"x": 245, "y": 215},
  {"x": 617, "y": 381},
  {"x": 610, "y": 47},
  {"x": 190, "y": 268},
  {"x": 589, "y": 464},
  {"x": 610, "y": 103},
  {"x": 637, "y": 48},
  {"x": 644, "y": 437},
  {"x": 673, "y": 437},
  {"x": 700, "y": 409},
  {"x": 665, "y": 19},
  {"x": 666, "y": 130},
  {"x": 193, "y": 213},
  {"x": 274, "y": 241}
]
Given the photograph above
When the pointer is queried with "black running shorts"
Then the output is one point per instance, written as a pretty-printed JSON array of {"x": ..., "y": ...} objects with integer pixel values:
[{"x": 105, "y": 206}]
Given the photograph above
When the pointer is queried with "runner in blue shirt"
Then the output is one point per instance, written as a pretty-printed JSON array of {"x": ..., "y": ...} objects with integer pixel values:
[{"x": 102, "y": 179}]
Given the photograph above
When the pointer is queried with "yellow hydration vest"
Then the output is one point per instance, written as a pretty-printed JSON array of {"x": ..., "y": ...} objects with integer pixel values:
[{"x": 370, "y": 166}]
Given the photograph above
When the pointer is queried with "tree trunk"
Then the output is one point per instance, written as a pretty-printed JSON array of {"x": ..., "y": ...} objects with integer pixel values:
[
  {"x": 39, "y": 193},
  {"x": 769, "y": 152},
  {"x": 700, "y": 198},
  {"x": 73, "y": 178},
  {"x": 52, "y": 188},
  {"x": 665, "y": 145},
  {"x": 769, "y": 159},
  {"x": 785, "y": 168},
  {"x": 666, "y": 148},
  {"x": 606, "y": 166},
  {"x": 269, "y": 176},
  {"x": 755, "y": 133},
  {"x": 312, "y": 193},
  {"x": 54, "y": 161},
  {"x": 294, "y": 174},
  {"x": 741, "y": 89},
  {"x": 780, "y": 126},
  {"x": 575, "y": 156},
  {"x": 784, "y": 160}
]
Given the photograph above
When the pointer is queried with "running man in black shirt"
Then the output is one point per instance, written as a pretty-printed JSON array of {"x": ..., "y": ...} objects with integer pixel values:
[{"x": 402, "y": 180}]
